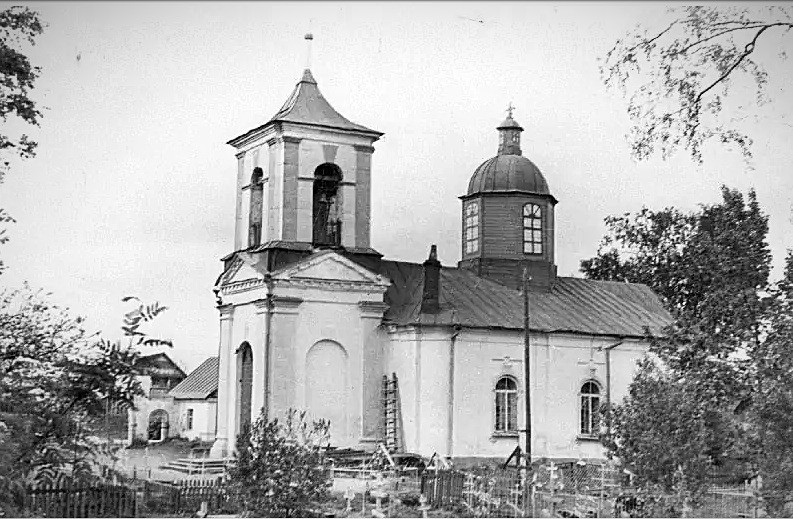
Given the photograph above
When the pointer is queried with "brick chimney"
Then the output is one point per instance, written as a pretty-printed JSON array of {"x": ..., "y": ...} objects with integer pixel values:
[{"x": 430, "y": 299}]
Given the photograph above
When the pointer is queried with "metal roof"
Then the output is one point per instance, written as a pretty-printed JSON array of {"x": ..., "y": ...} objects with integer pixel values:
[
  {"x": 572, "y": 305},
  {"x": 307, "y": 105},
  {"x": 508, "y": 173},
  {"x": 201, "y": 383}
]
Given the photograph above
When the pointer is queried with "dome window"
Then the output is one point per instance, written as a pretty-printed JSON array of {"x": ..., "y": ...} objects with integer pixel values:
[
  {"x": 532, "y": 229},
  {"x": 471, "y": 227}
]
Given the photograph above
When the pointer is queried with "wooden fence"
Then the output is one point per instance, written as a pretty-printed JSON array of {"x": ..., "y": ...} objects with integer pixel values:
[
  {"x": 65, "y": 500},
  {"x": 442, "y": 488}
]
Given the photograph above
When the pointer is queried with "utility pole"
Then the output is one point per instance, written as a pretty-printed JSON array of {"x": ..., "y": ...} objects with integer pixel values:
[{"x": 527, "y": 377}]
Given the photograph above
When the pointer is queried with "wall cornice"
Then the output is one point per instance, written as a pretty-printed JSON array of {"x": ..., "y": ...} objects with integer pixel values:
[
  {"x": 372, "y": 309},
  {"x": 226, "y": 311}
]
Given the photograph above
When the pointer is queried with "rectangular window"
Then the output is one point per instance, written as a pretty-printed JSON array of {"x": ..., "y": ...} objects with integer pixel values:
[
  {"x": 532, "y": 229},
  {"x": 471, "y": 224},
  {"x": 189, "y": 419}
]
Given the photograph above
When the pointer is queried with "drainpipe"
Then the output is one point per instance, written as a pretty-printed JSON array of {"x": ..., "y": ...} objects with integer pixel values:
[
  {"x": 608, "y": 349},
  {"x": 268, "y": 319},
  {"x": 450, "y": 426}
]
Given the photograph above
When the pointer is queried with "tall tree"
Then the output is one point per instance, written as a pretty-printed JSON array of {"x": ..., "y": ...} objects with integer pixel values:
[
  {"x": 19, "y": 28},
  {"x": 678, "y": 76},
  {"x": 711, "y": 268}
]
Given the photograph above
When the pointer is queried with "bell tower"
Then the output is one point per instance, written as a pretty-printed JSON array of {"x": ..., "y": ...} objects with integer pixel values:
[{"x": 304, "y": 179}]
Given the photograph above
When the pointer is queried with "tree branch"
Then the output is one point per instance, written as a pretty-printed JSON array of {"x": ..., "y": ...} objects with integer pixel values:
[{"x": 748, "y": 49}]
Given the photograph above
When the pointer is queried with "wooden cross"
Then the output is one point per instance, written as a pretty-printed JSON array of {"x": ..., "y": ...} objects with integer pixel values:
[
  {"x": 507, "y": 360},
  {"x": 591, "y": 363}
]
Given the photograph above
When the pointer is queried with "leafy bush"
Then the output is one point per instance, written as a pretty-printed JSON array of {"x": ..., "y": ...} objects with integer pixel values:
[{"x": 279, "y": 470}]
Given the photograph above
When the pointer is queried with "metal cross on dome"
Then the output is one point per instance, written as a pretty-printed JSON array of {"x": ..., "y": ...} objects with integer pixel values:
[{"x": 510, "y": 108}]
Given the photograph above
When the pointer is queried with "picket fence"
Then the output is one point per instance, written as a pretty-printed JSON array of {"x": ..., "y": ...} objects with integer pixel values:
[{"x": 65, "y": 500}]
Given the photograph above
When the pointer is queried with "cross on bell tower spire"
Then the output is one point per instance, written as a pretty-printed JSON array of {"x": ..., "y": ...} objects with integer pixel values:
[
  {"x": 308, "y": 38},
  {"x": 509, "y": 134}
]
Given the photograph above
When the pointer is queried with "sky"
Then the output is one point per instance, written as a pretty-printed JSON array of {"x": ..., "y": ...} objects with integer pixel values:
[{"x": 132, "y": 190}]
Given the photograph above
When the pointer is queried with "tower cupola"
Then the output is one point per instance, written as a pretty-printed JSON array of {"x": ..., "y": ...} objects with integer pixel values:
[
  {"x": 508, "y": 216},
  {"x": 509, "y": 135}
]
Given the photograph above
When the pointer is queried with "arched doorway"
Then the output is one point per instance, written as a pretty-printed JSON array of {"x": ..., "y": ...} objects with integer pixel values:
[
  {"x": 245, "y": 383},
  {"x": 326, "y": 386},
  {"x": 326, "y": 208},
  {"x": 158, "y": 425}
]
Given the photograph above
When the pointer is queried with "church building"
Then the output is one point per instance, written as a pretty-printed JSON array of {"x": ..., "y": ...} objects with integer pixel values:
[{"x": 313, "y": 318}]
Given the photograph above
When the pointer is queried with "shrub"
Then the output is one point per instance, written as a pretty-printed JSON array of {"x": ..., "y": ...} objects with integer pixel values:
[{"x": 279, "y": 469}]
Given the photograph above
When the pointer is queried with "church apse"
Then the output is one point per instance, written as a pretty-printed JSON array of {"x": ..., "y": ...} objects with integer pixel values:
[{"x": 326, "y": 206}]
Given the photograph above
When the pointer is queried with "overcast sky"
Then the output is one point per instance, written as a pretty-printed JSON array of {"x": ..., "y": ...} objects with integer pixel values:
[{"x": 132, "y": 191}]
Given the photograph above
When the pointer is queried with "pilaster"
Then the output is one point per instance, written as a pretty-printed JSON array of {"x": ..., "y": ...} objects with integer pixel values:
[
  {"x": 372, "y": 371},
  {"x": 261, "y": 379},
  {"x": 285, "y": 380},
  {"x": 291, "y": 171},
  {"x": 239, "y": 225},
  {"x": 363, "y": 195},
  {"x": 225, "y": 406}
]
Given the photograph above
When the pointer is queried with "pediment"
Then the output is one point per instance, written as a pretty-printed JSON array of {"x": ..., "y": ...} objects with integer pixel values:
[
  {"x": 330, "y": 266},
  {"x": 240, "y": 270}
]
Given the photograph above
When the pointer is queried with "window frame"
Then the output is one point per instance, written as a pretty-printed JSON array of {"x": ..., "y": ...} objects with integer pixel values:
[
  {"x": 189, "y": 420},
  {"x": 589, "y": 408},
  {"x": 532, "y": 224},
  {"x": 471, "y": 220},
  {"x": 505, "y": 411}
]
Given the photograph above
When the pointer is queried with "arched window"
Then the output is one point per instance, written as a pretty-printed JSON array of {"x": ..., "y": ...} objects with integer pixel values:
[
  {"x": 532, "y": 229},
  {"x": 590, "y": 407},
  {"x": 327, "y": 205},
  {"x": 506, "y": 405},
  {"x": 255, "y": 213},
  {"x": 471, "y": 225}
]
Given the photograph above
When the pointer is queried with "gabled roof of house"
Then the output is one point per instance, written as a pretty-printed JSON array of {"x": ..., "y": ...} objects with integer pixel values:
[
  {"x": 159, "y": 365},
  {"x": 200, "y": 384},
  {"x": 572, "y": 305}
]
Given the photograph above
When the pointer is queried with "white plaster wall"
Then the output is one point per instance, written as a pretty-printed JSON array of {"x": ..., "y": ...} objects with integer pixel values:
[
  {"x": 400, "y": 358},
  {"x": 303, "y": 315},
  {"x": 204, "y": 413},
  {"x": 335, "y": 317},
  {"x": 559, "y": 366}
]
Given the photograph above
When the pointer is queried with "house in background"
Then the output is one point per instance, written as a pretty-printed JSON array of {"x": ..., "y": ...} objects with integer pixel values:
[
  {"x": 196, "y": 399},
  {"x": 156, "y": 416}
]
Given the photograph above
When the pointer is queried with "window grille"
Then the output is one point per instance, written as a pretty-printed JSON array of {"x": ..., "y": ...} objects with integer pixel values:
[
  {"x": 590, "y": 408},
  {"x": 506, "y": 405},
  {"x": 532, "y": 229},
  {"x": 471, "y": 238}
]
